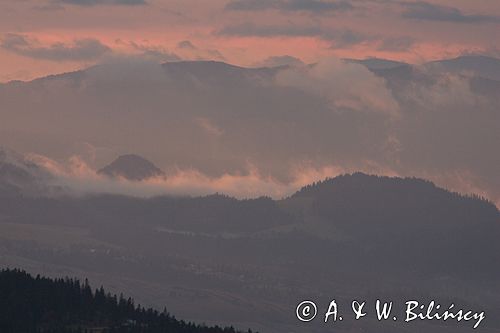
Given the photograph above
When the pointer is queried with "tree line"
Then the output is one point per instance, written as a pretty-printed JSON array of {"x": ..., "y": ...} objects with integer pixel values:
[{"x": 65, "y": 305}]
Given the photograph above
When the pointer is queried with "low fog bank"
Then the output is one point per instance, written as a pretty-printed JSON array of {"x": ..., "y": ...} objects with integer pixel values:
[{"x": 37, "y": 175}]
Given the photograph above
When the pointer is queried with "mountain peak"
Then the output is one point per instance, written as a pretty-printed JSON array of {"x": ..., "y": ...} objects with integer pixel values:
[{"x": 131, "y": 167}]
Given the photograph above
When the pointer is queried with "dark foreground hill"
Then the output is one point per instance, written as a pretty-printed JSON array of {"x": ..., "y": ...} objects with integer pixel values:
[{"x": 38, "y": 304}]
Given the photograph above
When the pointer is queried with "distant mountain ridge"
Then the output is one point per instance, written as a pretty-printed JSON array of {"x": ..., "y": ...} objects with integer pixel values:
[
  {"x": 201, "y": 101},
  {"x": 476, "y": 65},
  {"x": 485, "y": 66}
]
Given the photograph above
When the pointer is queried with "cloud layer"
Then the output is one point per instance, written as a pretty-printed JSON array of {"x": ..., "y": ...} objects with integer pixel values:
[
  {"x": 103, "y": 2},
  {"x": 422, "y": 10},
  {"x": 314, "y": 6}
]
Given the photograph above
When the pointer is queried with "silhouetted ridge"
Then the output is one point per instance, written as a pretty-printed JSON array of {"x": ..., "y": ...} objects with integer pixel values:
[
  {"x": 132, "y": 167},
  {"x": 403, "y": 207},
  {"x": 362, "y": 185},
  {"x": 38, "y": 304},
  {"x": 397, "y": 205},
  {"x": 408, "y": 222}
]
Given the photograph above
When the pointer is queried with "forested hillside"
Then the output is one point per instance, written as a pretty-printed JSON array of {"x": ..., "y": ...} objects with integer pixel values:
[{"x": 39, "y": 304}]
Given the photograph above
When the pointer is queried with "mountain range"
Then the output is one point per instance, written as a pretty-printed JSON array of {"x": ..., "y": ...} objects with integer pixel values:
[
  {"x": 244, "y": 259},
  {"x": 437, "y": 120}
]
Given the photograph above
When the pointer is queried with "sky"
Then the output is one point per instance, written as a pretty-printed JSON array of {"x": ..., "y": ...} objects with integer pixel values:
[{"x": 42, "y": 37}]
